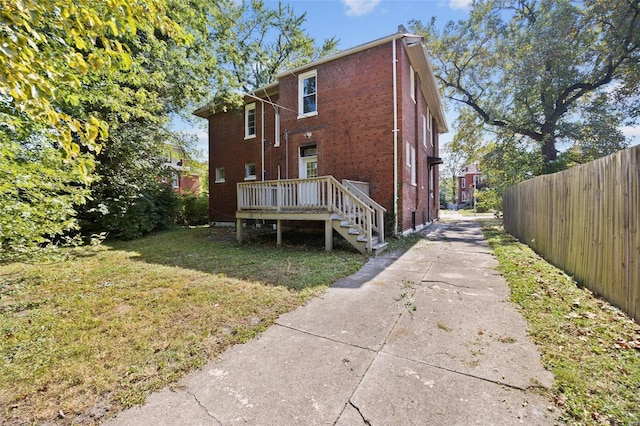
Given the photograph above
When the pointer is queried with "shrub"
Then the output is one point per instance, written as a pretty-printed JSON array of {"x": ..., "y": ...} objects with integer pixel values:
[{"x": 195, "y": 210}]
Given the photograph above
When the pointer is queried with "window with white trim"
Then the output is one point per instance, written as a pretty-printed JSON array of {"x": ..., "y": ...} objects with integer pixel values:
[
  {"x": 463, "y": 183},
  {"x": 277, "y": 128},
  {"x": 432, "y": 182},
  {"x": 424, "y": 130},
  {"x": 413, "y": 167},
  {"x": 412, "y": 83},
  {"x": 428, "y": 119},
  {"x": 250, "y": 121},
  {"x": 307, "y": 94},
  {"x": 250, "y": 171},
  {"x": 407, "y": 155},
  {"x": 219, "y": 174}
]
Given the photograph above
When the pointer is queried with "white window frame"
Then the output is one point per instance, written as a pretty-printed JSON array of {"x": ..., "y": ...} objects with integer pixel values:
[
  {"x": 424, "y": 129},
  {"x": 301, "y": 79},
  {"x": 412, "y": 83},
  {"x": 408, "y": 154},
  {"x": 414, "y": 178},
  {"x": 220, "y": 175},
  {"x": 247, "y": 110},
  {"x": 428, "y": 119},
  {"x": 463, "y": 183},
  {"x": 276, "y": 142},
  {"x": 432, "y": 180},
  {"x": 247, "y": 171}
]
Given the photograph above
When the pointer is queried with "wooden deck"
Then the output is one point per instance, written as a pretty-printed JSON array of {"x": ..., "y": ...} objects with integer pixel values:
[{"x": 343, "y": 207}]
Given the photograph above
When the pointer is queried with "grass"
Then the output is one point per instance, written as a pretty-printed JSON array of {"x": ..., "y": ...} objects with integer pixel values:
[
  {"x": 89, "y": 335},
  {"x": 591, "y": 347}
]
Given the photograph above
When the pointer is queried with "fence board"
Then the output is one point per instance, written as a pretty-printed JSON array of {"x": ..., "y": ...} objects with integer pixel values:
[{"x": 586, "y": 220}]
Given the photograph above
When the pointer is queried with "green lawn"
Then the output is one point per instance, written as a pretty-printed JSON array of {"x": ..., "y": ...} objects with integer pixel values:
[
  {"x": 592, "y": 348},
  {"x": 87, "y": 336}
]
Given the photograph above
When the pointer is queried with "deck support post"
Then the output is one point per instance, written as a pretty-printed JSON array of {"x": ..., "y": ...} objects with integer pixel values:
[
  {"x": 239, "y": 230},
  {"x": 328, "y": 235},
  {"x": 279, "y": 231}
]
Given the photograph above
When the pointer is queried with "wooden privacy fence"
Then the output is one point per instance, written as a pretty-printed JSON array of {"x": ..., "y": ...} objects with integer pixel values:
[{"x": 586, "y": 221}]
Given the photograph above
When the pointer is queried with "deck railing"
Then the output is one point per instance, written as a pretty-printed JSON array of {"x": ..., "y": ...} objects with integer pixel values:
[
  {"x": 356, "y": 188},
  {"x": 310, "y": 195}
]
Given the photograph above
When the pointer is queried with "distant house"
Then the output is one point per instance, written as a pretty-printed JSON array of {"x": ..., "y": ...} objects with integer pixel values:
[
  {"x": 181, "y": 178},
  {"x": 350, "y": 140},
  {"x": 469, "y": 179}
]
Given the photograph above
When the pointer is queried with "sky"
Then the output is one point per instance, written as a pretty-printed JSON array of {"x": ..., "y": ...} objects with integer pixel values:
[{"x": 355, "y": 22}]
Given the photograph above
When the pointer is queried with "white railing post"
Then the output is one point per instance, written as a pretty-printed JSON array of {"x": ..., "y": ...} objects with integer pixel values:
[{"x": 369, "y": 233}]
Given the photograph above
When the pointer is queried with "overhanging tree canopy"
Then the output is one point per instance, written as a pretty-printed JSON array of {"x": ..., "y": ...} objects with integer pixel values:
[{"x": 551, "y": 71}]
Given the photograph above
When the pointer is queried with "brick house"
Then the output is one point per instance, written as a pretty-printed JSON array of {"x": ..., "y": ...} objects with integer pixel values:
[
  {"x": 181, "y": 178},
  {"x": 469, "y": 179},
  {"x": 356, "y": 131}
]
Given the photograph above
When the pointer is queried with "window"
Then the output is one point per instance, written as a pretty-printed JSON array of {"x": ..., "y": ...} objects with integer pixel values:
[
  {"x": 250, "y": 171},
  {"x": 307, "y": 94},
  {"x": 428, "y": 119},
  {"x": 432, "y": 181},
  {"x": 250, "y": 121},
  {"x": 408, "y": 154},
  {"x": 424, "y": 130},
  {"x": 276, "y": 142},
  {"x": 413, "y": 166},
  {"x": 463, "y": 183},
  {"x": 175, "y": 180},
  {"x": 219, "y": 174},
  {"x": 412, "y": 83}
]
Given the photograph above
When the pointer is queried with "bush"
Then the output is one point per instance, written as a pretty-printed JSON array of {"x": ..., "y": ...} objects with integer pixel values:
[
  {"x": 129, "y": 217},
  {"x": 195, "y": 210},
  {"x": 488, "y": 199}
]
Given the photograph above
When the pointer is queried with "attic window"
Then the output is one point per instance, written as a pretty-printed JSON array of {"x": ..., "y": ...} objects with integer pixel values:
[{"x": 307, "y": 94}]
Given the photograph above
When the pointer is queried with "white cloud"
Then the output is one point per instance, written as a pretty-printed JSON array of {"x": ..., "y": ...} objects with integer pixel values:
[
  {"x": 629, "y": 131},
  {"x": 459, "y": 4},
  {"x": 360, "y": 7}
]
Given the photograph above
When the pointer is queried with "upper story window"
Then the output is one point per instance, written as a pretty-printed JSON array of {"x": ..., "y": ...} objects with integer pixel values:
[
  {"x": 250, "y": 121},
  {"x": 412, "y": 81},
  {"x": 307, "y": 94},
  {"x": 463, "y": 183}
]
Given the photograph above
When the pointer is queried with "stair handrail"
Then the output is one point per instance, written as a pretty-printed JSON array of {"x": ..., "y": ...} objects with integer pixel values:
[{"x": 378, "y": 210}]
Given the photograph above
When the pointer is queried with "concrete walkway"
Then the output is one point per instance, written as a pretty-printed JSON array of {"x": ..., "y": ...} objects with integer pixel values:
[{"x": 424, "y": 338}]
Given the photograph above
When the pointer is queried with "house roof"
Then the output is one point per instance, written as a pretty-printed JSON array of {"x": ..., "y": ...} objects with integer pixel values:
[
  {"x": 470, "y": 169},
  {"x": 418, "y": 56}
]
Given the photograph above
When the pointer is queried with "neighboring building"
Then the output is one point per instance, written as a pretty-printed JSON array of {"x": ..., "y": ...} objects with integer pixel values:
[
  {"x": 469, "y": 179},
  {"x": 180, "y": 177},
  {"x": 368, "y": 116}
]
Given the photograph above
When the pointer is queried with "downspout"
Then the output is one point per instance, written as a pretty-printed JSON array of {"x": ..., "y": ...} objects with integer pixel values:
[
  {"x": 395, "y": 139},
  {"x": 262, "y": 131}
]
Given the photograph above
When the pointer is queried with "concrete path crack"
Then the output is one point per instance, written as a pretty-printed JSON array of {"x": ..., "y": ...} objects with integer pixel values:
[
  {"x": 207, "y": 412},
  {"x": 364, "y": 419}
]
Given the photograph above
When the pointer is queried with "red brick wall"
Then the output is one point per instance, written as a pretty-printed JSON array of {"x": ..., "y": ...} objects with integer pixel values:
[{"x": 353, "y": 132}]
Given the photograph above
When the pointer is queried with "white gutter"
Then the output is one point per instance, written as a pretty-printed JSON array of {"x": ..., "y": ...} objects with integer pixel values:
[{"x": 395, "y": 138}]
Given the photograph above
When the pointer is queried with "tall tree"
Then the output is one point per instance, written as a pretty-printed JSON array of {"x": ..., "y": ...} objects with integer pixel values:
[
  {"x": 48, "y": 50},
  {"x": 540, "y": 68},
  {"x": 256, "y": 43}
]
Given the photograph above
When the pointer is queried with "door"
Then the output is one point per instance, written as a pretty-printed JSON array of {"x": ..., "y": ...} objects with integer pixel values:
[{"x": 308, "y": 191}]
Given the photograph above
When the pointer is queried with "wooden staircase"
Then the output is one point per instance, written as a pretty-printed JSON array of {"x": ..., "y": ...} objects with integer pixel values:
[{"x": 356, "y": 238}]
